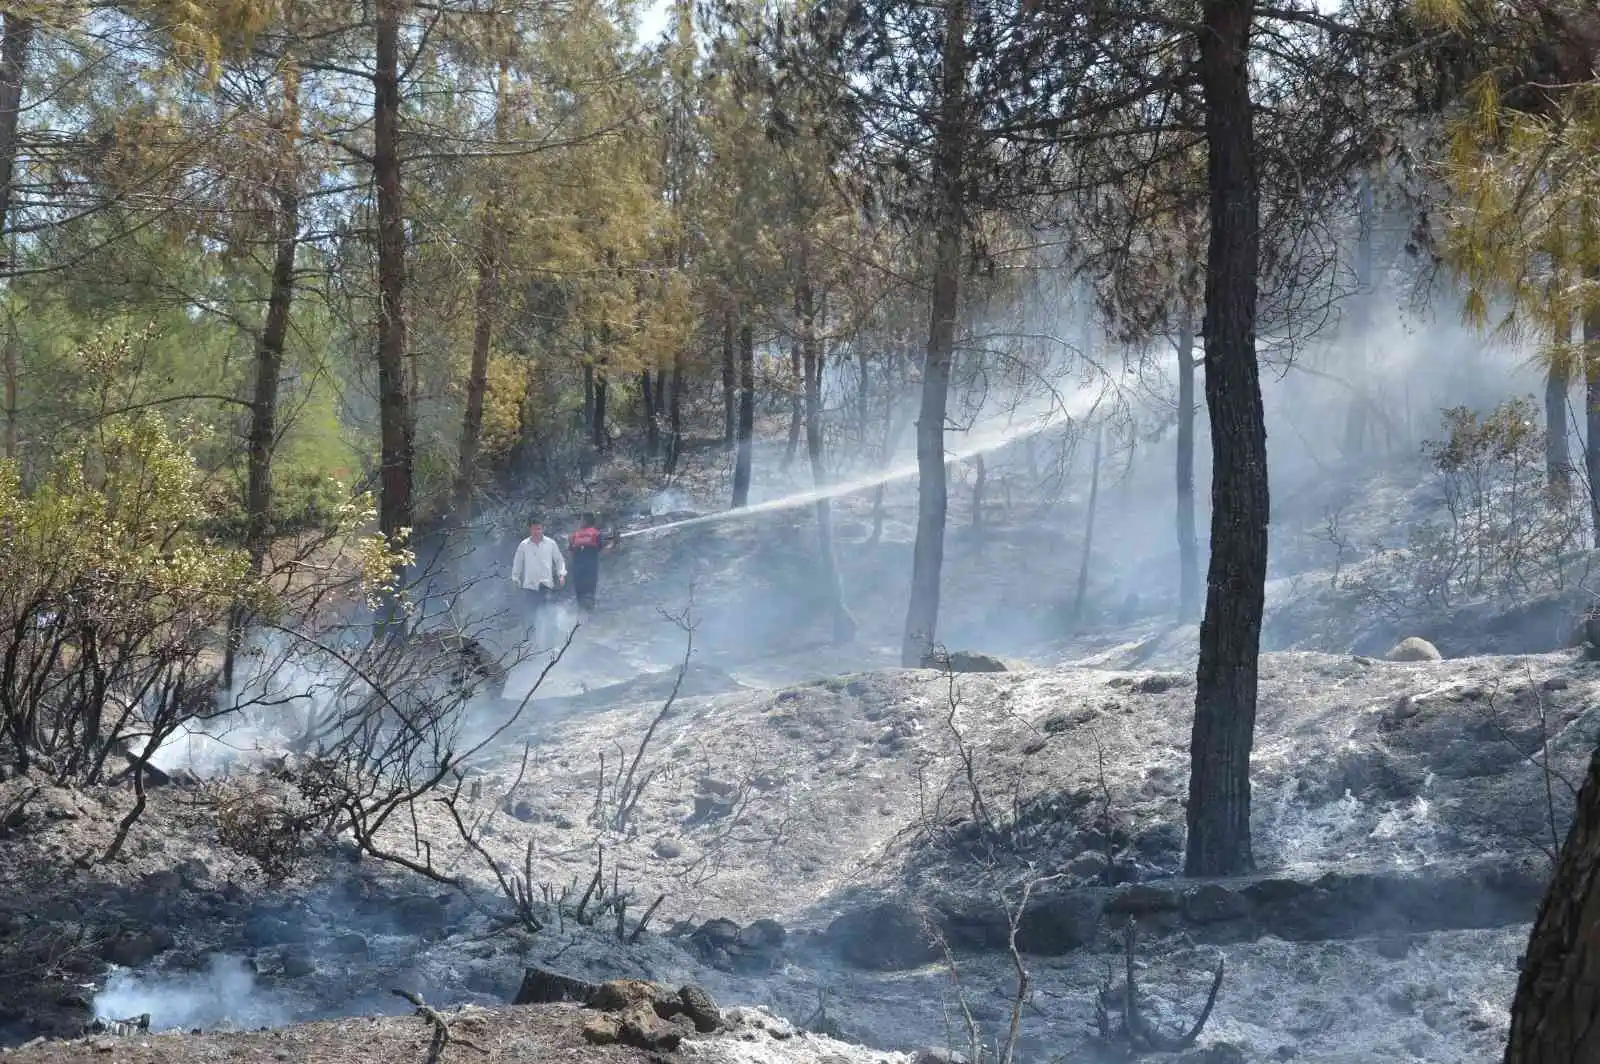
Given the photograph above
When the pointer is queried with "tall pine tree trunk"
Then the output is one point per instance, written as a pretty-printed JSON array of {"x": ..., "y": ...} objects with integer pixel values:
[
  {"x": 485, "y": 302},
  {"x": 1081, "y": 599},
  {"x": 18, "y": 31},
  {"x": 1557, "y": 445},
  {"x": 747, "y": 417},
  {"x": 1188, "y": 542},
  {"x": 927, "y": 556},
  {"x": 675, "y": 416},
  {"x": 1558, "y": 988},
  {"x": 844, "y": 625},
  {"x": 1230, "y": 633},
  {"x": 597, "y": 427},
  {"x": 797, "y": 387},
  {"x": 1591, "y": 369},
  {"x": 263, "y": 434},
  {"x": 891, "y": 437},
  {"x": 396, "y": 428},
  {"x": 730, "y": 384},
  {"x": 1356, "y": 414},
  {"x": 652, "y": 428}
]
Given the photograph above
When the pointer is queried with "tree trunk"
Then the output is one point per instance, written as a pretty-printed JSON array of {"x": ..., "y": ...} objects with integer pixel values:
[
  {"x": 927, "y": 559},
  {"x": 1082, "y": 596},
  {"x": 980, "y": 478},
  {"x": 747, "y": 417},
  {"x": 588, "y": 395},
  {"x": 652, "y": 430},
  {"x": 1558, "y": 990},
  {"x": 797, "y": 387},
  {"x": 675, "y": 416},
  {"x": 1230, "y": 633},
  {"x": 394, "y": 406},
  {"x": 602, "y": 440},
  {"x": 18, "y": 32},
  {"x": 844, "y": 625},
  {"x": 1188, "y": 541},
  {"x": 891, "y": 436},
  {"x": 730, "y": 386},
  {"x": 1557, "y": 384},
  {"x": 1356, "y": 415},
  {"x": 1591, "y": 372},
  {"x": 485, "y": 302}
]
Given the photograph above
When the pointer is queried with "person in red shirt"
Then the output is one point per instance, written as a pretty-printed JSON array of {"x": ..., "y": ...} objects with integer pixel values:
[{"x": 585, "y": 546}]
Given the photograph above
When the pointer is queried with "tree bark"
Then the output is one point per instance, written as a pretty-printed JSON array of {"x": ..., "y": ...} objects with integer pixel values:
[
  {"x": 730, "y": 385},
  {"x": 1082, "y": 596},
  {"x": 980, "y": 480},
  {"x": 747, "y": 417},
  {"x": 1356, "y": 415},
  {"x": 675, "y": 416},
  {"x": 14, "y": 46},
  {"x": 797, "y": 387},
  {"x": 1188, "y": 540},
  {"x": 18, "y": 30},
  {"x": 844, "y": 625},
  {"x": 652, "y": 433},
  {"x": 1557, "y": 384},
  {"x": 485, "y": 302},
  {"x": 1230, "y": 633},
  {"x": 927, "y": 556},
  {"x": 1591, "y": 372},
  {"x": 891, "y": 436},
  {"x": 394, "y": 405},
  {"x": 1558, "y": 990}
]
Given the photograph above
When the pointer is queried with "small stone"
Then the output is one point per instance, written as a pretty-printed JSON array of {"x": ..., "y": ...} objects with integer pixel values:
[
  {"x": 602, "y": 1030},
  {"x": 700, "y": 1008},
  {"x": 1087, "y": 866},
  {"x": 1556, "y": 683},
  {"x": 668, "y": 849},
  {"x": 1210, "y": 903},
  {"x": 350, "y": 944}
]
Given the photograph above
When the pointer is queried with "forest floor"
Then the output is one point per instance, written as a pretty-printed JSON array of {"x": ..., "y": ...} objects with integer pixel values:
[{"x": 821, "y": 825}]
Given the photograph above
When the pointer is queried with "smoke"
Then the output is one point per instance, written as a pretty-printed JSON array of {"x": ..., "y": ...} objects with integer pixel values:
[{"x": 224, "y": 996}]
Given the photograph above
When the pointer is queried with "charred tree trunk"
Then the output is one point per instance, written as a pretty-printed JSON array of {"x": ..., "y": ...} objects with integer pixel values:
[
  {"x": 1082, "y": 597},
  {"x": 1591, "y": 372},
  {"x": 394, "y": 397},
  {"x": 1230, "y": 633},
  {"x": 675, "y": 416},
  {"x": 730, "y": 385},
  {"x": 652, "y": 429},
  {"x": 485, "y": 301},
  {"x": 980, "y": 479},
  {"x": 602, "y": 439},
  {"x": 1558, "y": 990},
  {"x": 588, "y": 398},
  {"x": 18, "y": 31},
  {"x": 844, "y": 625},
  {"x": 797, "y": 387},
  {"x": 927, "y": 560},
  {"x": 1188, "y": 540},
  {"x": 747, "y": 417}
]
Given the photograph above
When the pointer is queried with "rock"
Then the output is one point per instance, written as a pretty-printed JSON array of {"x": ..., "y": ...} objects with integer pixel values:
[
  {"x": 1211, "y": 904},
  {"x": 297, "y": 963},
  {"x": 700, "y": 1008},
  {"x": 1220, "y": 1053},
  {"x": 935, "y": 1055},
  {"x": 885, "y": 937},
  {"x": 962, "y": 661},
  {"x": 1142, "y": 901},
  {"x": 1159, "y": 684},
  {"x": 540, "y": 986},
  {"x": 350, "y": 944},
  {"x": 1393, "y": 947},
  {"x": 763, "y": 935},
  {"x": 1414, "y": 648},
  {"x": 1556, "y": 683},
  {"x": 262, "y": 930},
  {"x": 133, "y": 948},
  {"x": 667, "y": 849},
  {"x": 1159, "y": 841},
  {"x": 1056, "y": 924},
  {"x": 422, "y": 914},
  {"x": 1087, "y": 866}
]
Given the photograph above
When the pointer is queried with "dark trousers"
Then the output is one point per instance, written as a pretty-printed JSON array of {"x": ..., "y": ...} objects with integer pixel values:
[{"x": 585, "y": 576}]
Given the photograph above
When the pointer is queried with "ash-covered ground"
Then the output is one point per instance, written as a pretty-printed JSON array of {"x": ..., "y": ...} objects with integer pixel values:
[{"x": 849, "y": 843}]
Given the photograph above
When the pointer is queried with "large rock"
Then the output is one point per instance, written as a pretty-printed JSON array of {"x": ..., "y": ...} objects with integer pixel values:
[
  {"x": 962, "y": 661},
  {"x": 1414, "y": 648},
  {"x": 885, "y": 937}
]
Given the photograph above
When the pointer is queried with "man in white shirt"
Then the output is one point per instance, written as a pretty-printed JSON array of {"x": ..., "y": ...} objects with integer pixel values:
[{"x": 538, "y": 570}]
